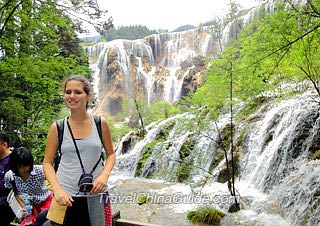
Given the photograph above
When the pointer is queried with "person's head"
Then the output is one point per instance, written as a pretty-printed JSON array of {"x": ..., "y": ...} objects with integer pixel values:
[
  {"x": 4, "y": 141},
  {"x": 77, "y": 92},
  {"x": 21, "y": 161}
]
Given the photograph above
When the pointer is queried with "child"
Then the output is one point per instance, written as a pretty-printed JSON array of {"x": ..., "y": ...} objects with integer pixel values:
[{"x": 29, "y": 180}]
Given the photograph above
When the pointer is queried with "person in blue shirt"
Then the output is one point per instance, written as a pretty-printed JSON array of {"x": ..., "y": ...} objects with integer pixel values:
[{"x": 6, "y": 213}]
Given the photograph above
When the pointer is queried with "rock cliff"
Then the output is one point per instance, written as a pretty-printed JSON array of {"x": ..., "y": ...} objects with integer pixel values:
[{"x": 158, "y": 67}]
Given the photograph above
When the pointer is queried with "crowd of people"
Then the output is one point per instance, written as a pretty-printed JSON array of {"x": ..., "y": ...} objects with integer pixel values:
[{"x": 77, "y": 184}]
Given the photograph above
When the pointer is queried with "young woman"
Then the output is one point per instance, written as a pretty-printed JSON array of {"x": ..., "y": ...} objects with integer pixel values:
[
  {"x": 64, "y": 182},
  {"x": 29, "y": 181}
]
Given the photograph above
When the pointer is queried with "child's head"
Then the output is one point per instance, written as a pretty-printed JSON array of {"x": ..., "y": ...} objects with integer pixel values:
[{"x": 20, "y": 159}]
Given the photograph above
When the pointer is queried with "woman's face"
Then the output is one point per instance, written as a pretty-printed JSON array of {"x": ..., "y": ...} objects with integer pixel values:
[{"x": 74, "y": 95}]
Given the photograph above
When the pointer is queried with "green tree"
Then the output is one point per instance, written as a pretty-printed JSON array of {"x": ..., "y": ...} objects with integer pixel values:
[
  {"x": 216, "y": 30},
  {"x": 282, "y": 46},
  {"x": 128, "y": 32},
  {"x": 38, "y": 49},
  {"x": 159, "y": 111}
]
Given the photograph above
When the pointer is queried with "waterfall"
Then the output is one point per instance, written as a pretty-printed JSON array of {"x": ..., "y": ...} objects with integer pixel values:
[
  {"x": 152, "y": 66},
  {"x": 128, "y": 161},
  {"x": 177, "y": 94},
  {"x": 170, "y": 86},
  {"x": 277, "y": 185},
  {"x": 275, "y": 143}
]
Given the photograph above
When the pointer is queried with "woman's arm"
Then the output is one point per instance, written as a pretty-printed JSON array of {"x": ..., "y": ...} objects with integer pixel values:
[
  {"x": 62, "y": 197},
  {"x": 100, "y": 183}
]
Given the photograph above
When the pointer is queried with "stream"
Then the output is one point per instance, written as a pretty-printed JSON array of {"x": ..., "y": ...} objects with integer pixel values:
[{"x": 169, "y": 202}]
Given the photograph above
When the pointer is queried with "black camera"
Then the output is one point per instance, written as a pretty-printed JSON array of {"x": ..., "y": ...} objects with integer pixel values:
[{"x": 85, "y": 183}]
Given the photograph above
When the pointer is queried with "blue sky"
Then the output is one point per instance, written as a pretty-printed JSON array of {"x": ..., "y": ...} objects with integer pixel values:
[{"x": 166, "y": 14}]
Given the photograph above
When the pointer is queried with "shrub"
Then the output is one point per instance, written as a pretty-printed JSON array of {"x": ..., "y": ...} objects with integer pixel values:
[{"x": 206, "y": 215}]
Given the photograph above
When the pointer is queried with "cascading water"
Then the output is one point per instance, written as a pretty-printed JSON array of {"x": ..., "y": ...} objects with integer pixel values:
[
  {"x": 272, "y": 148},
  {"x": 278, "y": 184},
  {"x": 277, "y": 149},
  {"x": 170, "y": 86},
  {"x": 299, "y": 195},
  {"x": 128, "y": 161},
  {"x": 151, "y": 66}
]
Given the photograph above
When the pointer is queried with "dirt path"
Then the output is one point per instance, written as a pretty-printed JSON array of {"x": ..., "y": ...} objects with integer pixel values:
[{"x": 124, "y": 197}]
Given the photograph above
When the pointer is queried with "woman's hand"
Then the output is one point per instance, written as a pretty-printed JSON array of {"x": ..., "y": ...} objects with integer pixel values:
[
  {"x": 63, "y": 198},
  {"x": 99, "y": 185}
]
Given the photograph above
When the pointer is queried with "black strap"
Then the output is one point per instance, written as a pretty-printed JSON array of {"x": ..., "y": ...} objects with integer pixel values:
[
  {"x": 75, "y": 144},
  {"x": 78, "y": 153},
  {"x": 60, "y": 128},
  {"x": 13, "y": 183},
  {"x": 97, "y": 120}
]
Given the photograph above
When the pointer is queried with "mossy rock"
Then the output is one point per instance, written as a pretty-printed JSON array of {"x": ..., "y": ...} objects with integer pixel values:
[
  {"x": 145, "y": 154},
  {"x": 251, "y": 107},
  {"x": 186, "y": 163},
  {"x": 317, "y": 194},
  {"x": 186, "y": 149},
  {"x": 315, "y": 156},
  {"x": 223, "y": 174},
  {"x": 216, "y": 159},
  {"x": 183, "y": 170},
  {"x": 206, "y": 215},
  {"x": 164, "y": 131},
  {"x": 241, "y": 136}
]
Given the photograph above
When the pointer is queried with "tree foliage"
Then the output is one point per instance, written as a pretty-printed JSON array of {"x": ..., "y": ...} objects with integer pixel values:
[
  {"x": 38, "y": 49},
  {"x": 276, "y": 48},
  {"x": 282, "y": 49},
  {"x": 128, "y": 32},
  {"x": 184, "y": 28}
]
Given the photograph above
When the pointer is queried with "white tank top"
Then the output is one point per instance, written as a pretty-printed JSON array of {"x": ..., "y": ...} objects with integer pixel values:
[{"x": 69, "y": 170}]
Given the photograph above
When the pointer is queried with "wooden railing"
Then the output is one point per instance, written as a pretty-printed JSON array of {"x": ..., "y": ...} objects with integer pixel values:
[{"x": 117, "y": 221}]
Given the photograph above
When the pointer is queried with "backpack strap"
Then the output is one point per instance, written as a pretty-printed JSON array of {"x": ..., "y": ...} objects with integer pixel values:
[
  {"x": 97, "y": 120},
  {"x": 60, "y": 128}
]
